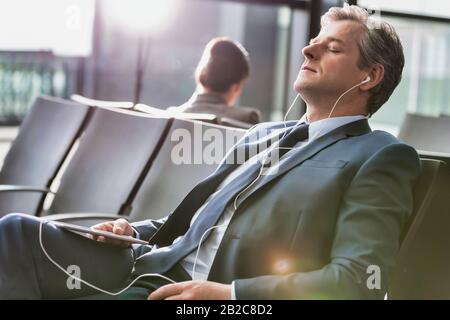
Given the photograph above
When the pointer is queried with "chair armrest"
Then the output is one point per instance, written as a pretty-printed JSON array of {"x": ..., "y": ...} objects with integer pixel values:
[
  {"x": 433, "y": 155},
  {"x": 19, "y": 188},
  {"x": 172, "y": 113},
  {"x": 83, "y": 219},
  {"x": 101, "y": 103},
  {"x": 229, "y": 122}
]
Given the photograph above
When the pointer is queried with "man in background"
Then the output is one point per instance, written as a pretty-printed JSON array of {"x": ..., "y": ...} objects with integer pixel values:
[{"x": 220, "y": 77}]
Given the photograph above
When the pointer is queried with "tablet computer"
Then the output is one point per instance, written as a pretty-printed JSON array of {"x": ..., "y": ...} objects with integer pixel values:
[{"x": 106, "y": 234}]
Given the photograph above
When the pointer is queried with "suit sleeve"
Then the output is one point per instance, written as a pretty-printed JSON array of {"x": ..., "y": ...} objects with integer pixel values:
[
  {"x": 375, "y": 208},
  {"x": 145, "y": 229}
]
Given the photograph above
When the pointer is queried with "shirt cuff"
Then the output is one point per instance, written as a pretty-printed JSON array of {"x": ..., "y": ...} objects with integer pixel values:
[{"x": 233, "y": 291}]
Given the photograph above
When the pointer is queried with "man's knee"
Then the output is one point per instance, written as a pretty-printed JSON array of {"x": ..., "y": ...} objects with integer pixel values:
[{"x": 14, "y": 223}]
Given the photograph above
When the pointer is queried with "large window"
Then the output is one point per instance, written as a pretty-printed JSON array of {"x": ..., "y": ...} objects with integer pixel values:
[
  {"x": 89, "y": 50},
  {"x": 426, "y": 76},
  {"x": 436, "y": 8},
  {"x": 63, "y": 27},
  {"x": 42, "y": 44}
]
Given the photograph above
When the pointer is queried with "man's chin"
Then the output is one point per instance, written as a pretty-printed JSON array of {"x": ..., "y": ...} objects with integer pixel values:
[{"x": 300, "y": 86}]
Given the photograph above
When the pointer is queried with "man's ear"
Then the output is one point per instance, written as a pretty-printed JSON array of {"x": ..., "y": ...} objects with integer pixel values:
[{"x": 376, "y": 74}]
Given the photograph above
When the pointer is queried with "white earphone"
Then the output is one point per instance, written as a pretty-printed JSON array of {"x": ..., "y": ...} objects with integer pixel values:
[{"x": 356, "y": 85}]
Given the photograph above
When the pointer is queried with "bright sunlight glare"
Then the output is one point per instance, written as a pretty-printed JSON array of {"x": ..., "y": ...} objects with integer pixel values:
[{"x": 149, "y": 16}]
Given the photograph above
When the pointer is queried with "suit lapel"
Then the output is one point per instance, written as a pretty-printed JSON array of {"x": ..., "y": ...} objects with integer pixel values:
[
  {"x": 353, "y": 129},
  {"x": 179, "y": 221}
]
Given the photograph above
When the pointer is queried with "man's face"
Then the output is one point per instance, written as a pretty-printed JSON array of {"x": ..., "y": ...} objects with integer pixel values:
[{"x": 330, "y": 65}]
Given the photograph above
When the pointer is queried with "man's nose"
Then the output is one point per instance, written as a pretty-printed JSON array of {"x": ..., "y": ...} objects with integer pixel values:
[{"x": 310, "y": 52}]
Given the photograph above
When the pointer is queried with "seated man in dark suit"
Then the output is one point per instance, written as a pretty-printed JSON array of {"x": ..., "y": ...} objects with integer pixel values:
[
  {"x": 220, "y": 77},
  {"x": 321, "y": 221}
]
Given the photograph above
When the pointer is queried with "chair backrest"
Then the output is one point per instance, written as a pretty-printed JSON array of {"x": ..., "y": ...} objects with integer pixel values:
[
  {"x": 112, "y": 153},
  {"x": 190, "y": 153},
  {"x": 44, "y": 140},
  {"x": 426, "y": 133},
  {"x": 423, "y": 261},
  {"x": 230, "y": 122}
]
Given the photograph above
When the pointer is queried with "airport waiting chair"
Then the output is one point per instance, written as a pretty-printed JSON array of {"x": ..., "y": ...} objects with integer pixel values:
[
  {"x": 45, "y": 137},
  {"x": 421, "y": 271},
  {"x": 426, "y": 133},
  {"x": 169, "y": 180},
  {"x": 113, "y": 152},
  {"x": 166, "y": 182},
  {"x": 441, "y": 156}
]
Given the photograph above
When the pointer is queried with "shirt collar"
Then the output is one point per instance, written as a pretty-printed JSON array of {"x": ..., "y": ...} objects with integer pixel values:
[
  {"x": 321, "y": 127},
  {"x": 209, "y": 98}
]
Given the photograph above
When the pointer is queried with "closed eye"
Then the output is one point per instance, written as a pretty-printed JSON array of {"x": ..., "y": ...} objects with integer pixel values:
[{"x": 334, "y": 50}]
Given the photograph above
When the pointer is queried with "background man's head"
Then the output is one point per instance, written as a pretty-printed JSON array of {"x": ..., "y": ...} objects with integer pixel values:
[
  {"x": 351, "y": 46},
  {"x": 223, "y": 68}
]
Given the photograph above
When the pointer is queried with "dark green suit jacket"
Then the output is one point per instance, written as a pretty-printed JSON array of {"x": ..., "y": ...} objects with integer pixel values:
[{"x": 321, "y": 227}]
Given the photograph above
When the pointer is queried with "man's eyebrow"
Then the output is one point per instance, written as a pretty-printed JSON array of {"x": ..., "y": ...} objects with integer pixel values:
[
  {"x": 330, "y": 39},
  {"x": 336, "y": 40}
]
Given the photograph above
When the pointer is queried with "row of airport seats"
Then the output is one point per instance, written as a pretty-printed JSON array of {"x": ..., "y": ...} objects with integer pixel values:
[
  {"x": 423, "y": 262},
  {"x": 86, "y": 164},
  {"x": 205, "y": 117},
  {"x": 424, "y": 258},
  {"x": 97, "y": 162}
]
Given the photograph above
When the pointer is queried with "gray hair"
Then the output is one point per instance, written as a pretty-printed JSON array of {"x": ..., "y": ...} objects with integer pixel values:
[{"x": 379, "y": 44}]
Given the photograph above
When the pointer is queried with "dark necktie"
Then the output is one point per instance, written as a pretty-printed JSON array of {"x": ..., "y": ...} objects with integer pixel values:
[
  {"x": 163, "y": 259},
  {"x": 291, "y": 138}
]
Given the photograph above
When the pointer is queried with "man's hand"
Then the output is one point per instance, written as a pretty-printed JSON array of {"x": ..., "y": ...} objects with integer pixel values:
[
  {"x": 119, "y": 226},
  {"x": 193, "y": 290}
]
